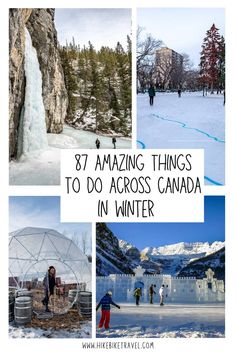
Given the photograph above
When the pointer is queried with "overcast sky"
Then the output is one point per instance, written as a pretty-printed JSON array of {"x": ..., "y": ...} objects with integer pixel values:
[
  {"x": 142, "y": 235},
  {"x": 181, "y": 29},
  {"x": 42, "y": 212},
  {"x": 102, "y": 27}
]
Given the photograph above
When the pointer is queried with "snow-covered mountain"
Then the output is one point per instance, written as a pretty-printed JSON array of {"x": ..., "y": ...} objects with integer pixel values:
[
  {"x": 198, "y": 267},
  {"x": 119, "y": 256},
  {"x": 183, "y": 248},
  {"x": 109, "y": 258}
]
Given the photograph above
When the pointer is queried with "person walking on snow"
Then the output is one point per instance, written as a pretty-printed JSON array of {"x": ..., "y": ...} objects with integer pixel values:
[
  {"x": 106, "y": 303},
  {"x": 97, "y": 142},
  {"x": 151, "y": 92},
  {"x": 137, "y": 295},
  {"x": 179, "y": 93},
  {"x": 162, "y": 294},
  {"x": 114, "y": 142},
  {"x": 151, "y": 293},
  {"x": 49, "y": 282}
]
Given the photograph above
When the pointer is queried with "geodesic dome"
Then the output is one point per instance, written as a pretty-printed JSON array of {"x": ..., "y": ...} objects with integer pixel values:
[{"x": 32, "y": 250}]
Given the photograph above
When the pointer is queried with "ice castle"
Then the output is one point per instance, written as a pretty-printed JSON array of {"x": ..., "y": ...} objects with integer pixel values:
[{"x": 177, "y": 289}]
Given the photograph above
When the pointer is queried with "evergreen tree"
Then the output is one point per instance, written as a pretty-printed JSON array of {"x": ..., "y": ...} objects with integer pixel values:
[
  {"x": 222, "y": 63},
  {"x": 68, "y": 58},
  {"x": 211, "y": 56},
  {"x": 99, "y": 87}
]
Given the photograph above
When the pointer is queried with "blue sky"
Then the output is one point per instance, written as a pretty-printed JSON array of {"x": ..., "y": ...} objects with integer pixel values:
[
  {"x": 181, "y": 29},
  {"x": 142, "y": 235},
  {"x": 102, "y": 27},
  {"x": 42, "y": 212}
]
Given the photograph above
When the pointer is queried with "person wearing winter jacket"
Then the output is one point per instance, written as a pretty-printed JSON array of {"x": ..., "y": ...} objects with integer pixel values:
[
  {"x": 49, "y": 283},
  {"x": 105, "y": 303},
  {"x": 152, "y": 93},
  {"x": 162, "y": 294},
  {"x": 151, "y": 293},
  {"x": 97, "y": 143},
  {"x": 137, "y": 295},
  {"x": 114, "y": 142}
]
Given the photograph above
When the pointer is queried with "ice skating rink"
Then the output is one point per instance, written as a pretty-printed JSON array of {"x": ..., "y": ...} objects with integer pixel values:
[
  {"x": 189, "y": 122},
  {"x": 171, "y": 320}
]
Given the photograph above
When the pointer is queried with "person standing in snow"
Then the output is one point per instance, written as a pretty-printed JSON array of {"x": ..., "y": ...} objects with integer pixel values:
[
  {"x": 152, "y": 93},
  {"x": 179, "y": 93},
  {"x": 106, "y": 303},
  {"x": 162, "y": 294},
  {"x": 137, "y": 295},
  {"x": 97, "y": 143},
  {"x": 49, "y": 283},
  {"x": 114, "y": 142},
  {"x": 151, "y": 293}
]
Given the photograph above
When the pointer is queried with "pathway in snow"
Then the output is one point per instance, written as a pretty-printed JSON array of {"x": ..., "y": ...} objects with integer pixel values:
[
  {"x": 43, "y": 167},
  {"x": 192, "y": 121},
  {"x": 171, "y": 320}
]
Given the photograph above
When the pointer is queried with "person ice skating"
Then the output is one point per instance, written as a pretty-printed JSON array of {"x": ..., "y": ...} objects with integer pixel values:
[
  {"x": 97, "y": 142},
  {"x": 166, "y": 292},
  {"x": 106, "y": 303},
  {"x": 137, "y": 295},
  {"x": 152, "y": 293},
  {"x": 161, "y": 293},
  {"x": 114, "y": 142},
  {"x": 49, "y": 283},
  {"x": 151, "y": 92},
  {"x": 179, "y": 93}
]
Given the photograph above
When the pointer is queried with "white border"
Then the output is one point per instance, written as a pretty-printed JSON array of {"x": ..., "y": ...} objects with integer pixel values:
[{"x": 226, "y": 345}]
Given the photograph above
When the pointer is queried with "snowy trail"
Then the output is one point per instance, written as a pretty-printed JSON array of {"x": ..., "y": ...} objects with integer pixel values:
[
  {"x": 172, "y": 320},
  {"x": 200, "y": 124},
  {"x": 42, "y": 167}
]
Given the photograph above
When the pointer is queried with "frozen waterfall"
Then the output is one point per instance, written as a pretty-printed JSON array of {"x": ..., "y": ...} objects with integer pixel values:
[{"x": 32, "y": 128}]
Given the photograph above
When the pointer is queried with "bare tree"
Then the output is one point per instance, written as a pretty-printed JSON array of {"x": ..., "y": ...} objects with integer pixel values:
[
  {"x": 145, "y": 56},
  {"x": 190, "y": 74},
  {"x": 75, "y": 239},
  {"x": 84, "y": 242}
]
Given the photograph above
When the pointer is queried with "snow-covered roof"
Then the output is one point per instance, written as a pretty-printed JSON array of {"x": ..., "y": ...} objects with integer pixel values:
[{"x": 32, "y": 250}]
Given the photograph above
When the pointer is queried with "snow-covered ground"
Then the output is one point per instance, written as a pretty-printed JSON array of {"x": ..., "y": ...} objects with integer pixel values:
[
  {"x": 190, "y": 122},
  {"x": 43, "y": 167},
  {"x": 23, "y": 332},
  {"x": 178, "y": 320}
]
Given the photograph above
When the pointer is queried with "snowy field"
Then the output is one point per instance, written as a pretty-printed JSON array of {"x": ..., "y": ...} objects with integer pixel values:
[
  {"x": 169, "y": 321},
  {"x": 23, "y": 332},
  {"x": 43, "y": 167},
  {"x": 192, "y": 121}
]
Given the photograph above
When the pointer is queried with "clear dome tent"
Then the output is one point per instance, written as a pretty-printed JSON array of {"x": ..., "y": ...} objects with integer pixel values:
[{"x": 32, "y": 250}]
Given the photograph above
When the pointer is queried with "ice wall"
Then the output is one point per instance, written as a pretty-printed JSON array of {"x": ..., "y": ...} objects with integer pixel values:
[
  {"x": 32, "y": 128},
  {"x": 178, "y": 290}
]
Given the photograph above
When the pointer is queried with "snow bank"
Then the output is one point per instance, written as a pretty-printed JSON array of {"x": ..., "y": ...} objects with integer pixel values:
[{"x": 22, "y": 332}]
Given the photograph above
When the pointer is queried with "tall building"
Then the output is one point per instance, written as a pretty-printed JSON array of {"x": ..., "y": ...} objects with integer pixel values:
[{"x": 169, "y": 68}]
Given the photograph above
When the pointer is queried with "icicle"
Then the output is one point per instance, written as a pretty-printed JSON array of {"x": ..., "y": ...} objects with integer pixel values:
[{"x": 32, "y": 128}]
